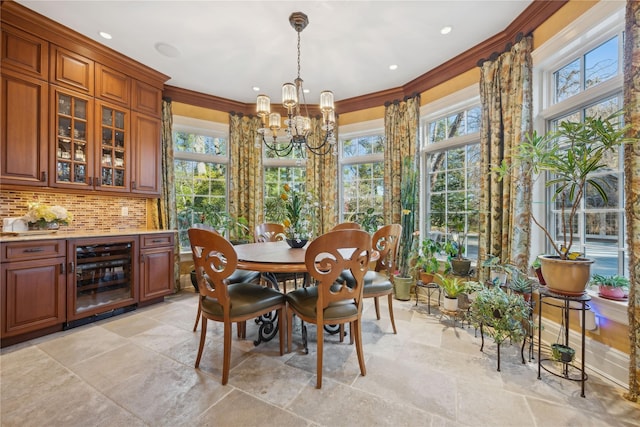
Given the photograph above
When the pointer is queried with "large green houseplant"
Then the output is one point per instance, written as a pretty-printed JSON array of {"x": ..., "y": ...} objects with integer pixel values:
[
  {"x": 569, "y": 155},
  {"x": 407, "y": 251}
]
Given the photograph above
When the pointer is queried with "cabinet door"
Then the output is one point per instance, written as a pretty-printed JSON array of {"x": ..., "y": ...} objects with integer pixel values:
[
  {"x": 156, "y": 273},
  {"x": 71, "y": 70},
  {"x": 24, "y": 53},
  {"x": 71, "y": 126},
  {"x": 33, "y": 295},
  {"x": 112, "y": 86},
  {"x": 146, "y": 154},
  {"x": 112, "y": 159},
  {"x": 23, "y": 125},
  {"x": 146, "y": 99}
]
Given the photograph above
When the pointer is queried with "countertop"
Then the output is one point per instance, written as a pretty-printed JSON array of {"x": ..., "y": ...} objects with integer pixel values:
[{"x": 60, "y": 234}]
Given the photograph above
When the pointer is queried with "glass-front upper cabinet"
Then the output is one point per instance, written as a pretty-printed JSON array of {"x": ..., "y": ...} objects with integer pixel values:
[
  {"x": 72, "y": 119},
  {"x": 113, "y": 156}
]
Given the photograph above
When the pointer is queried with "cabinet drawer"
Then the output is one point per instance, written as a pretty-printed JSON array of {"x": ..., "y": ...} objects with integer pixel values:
[
  {"x": 156, "y": 240},
  {"x": 34, "y": 249}
]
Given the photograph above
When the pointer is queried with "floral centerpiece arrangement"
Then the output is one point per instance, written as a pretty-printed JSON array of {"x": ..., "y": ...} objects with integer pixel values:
[
  {"x": 41, "y": 216},
  {"x": 300, "y": 215}
]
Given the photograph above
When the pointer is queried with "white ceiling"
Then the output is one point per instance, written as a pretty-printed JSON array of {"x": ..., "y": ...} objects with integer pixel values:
[{"x": 225, "y": 48}]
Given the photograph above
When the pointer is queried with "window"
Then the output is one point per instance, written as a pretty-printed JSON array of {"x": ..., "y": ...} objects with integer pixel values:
[
  {"x": 584, "y": 79},
  {"x": 362, "y": 177},
  {"x": 200, "y": 167},
  {"x": 451, "y": 178}
]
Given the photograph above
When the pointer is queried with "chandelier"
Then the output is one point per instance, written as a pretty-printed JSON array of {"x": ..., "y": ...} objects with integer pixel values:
[{"x": 298, "y": 125}]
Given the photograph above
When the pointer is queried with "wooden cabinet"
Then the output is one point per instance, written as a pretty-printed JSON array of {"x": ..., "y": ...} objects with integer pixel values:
[
  {"x": 146, "y": 156},
  {"x": 113, "y": 86},
  {"x": 24, "y": 53},
  {"x": 71, "y": 70},
  {"x": 156, "y": 265},
  {"x": 33, "y": 286},
  {"x": 23, "y": 126},
  {"x": 112, "y": 147},
  {"x": 146, "y": 99}
]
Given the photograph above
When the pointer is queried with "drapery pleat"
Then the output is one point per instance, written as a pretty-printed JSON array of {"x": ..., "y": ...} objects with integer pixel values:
[
  {"x": 632, "y": 187},
  {"x": 401, "y": 122},
  {"x": 505, "y": 205},
  {"x": 245, "y": 166},
  {"x": 321, "y": 179},
  {"x": 164, "y": 213}
]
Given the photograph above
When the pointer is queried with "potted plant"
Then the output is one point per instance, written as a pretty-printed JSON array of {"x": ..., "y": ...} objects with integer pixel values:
[
  {"x": 498, "y": 271},
  {"x": 455, "y": 250},
  {"x": 613, "y": 287},
  {"x": 452, "y": 287},
  {"x": 407, "y": 251},
  {"x": 562, "y": 353},
  {"x": 522, "y": 285},
  {"x": 501, "y": 315},
  {"x": 536, "y": 265},
  {"x": 569, "y": 155},
  {"x": 426, "y": 262}
]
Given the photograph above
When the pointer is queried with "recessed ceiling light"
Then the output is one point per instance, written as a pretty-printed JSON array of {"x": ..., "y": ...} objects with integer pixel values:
[
  {"x": 256, "y": 89},
  {"x": 105, "y": 35},
  {"x": 305, "y": 90},
  {"x": 446, "y": 30},
  {"x": 167, "y": 50},
  {"x": 393, "y": 67}
]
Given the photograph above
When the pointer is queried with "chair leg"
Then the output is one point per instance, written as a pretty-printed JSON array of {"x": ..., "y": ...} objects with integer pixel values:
[
  {"x": 320, "y": 340},
  {"x": 377, "y": 305},
  {"x": 351, "y": 339},
  {"x": 242, "y": 329},
  {"x": 393, "y": 321},
  {"x": 358, "y": 332},
  {"x": 195, "y": 326},
  {"x": 226, "y": 359},
  {"x": 203, "y": 335}
]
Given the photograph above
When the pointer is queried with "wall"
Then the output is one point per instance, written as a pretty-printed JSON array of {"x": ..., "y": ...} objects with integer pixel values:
[{"x": 90, "y": 212}]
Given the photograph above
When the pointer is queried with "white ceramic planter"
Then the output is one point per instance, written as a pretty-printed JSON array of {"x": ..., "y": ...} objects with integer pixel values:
[{"x": 450, "y": 304}]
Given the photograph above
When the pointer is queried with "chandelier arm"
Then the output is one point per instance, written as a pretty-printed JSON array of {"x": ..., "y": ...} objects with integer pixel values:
[{"x": 278, "y": 148}]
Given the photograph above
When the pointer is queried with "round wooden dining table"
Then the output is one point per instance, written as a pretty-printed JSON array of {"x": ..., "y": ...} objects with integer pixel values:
[{"x": 271, "y": 257}]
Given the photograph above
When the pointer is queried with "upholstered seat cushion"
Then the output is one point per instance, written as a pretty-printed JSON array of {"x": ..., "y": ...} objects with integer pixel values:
[
  {"x": 246, "y": 298},
  {"x": 374, "y": 281},
  {"x": 243, "y": 276},
  {"x": 304, "y": 300}
]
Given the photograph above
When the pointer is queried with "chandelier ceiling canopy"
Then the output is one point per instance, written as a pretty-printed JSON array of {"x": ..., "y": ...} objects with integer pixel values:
[{"x": 298, "y": 132}]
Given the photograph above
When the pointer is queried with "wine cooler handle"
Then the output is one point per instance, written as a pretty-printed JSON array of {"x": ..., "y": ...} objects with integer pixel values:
[
  {"x": 62, "y": 268},
  {"x": 72, "y": 267}
]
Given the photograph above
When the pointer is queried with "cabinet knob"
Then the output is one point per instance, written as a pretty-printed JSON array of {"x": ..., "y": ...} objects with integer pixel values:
[{"x": 44, "y": 177}]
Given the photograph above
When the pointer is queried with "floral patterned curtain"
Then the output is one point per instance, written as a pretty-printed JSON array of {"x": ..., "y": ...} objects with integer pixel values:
[
  {"x": 322, "y": 181},
  {"x": 401, "y": 122},
  {"x": 632, "y": 187},
  {"x": 163, "y": 213},
  {"x": 245, "y": 166},
  {"x": 505, "y": 206}
]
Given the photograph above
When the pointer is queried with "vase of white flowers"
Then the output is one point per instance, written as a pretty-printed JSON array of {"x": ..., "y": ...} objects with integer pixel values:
[{"x": 43, "y": 217}]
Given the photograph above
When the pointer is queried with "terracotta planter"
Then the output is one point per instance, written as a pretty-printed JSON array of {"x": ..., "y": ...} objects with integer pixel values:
[
  {"x": 612, "y": 293},
  {"x": 426, "y": 277},
  {"x": 402, "y": 287},
  {"x": 540, "y": 276},
  {"x": 566, "y": 277}
]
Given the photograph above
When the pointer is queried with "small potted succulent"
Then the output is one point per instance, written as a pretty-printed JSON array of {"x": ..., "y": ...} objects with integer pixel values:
[
  {"x": 499, "y": 271},
  {"x": 613, "y": 287},
  {"x": 523, "y": 285}
]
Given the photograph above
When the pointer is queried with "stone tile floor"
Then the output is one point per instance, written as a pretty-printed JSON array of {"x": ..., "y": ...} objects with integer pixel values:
[{"x": 137, "y": 370}]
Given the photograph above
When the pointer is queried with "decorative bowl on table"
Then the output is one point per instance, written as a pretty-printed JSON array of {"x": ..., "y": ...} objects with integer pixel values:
[{"x": 297, "y": 243}]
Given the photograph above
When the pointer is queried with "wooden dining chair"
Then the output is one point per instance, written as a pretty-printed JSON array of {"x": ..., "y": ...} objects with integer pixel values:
[
  {"x": 269, "y": 232},
  {"x": 274, "y": 232},
  {"x": 238, "y": 276},
  {"x": 347, "y": 226},
  {"x": 215, "y": 260},
  {"x": 329, "y": 303},
  {"x": 377, "y": 283}
]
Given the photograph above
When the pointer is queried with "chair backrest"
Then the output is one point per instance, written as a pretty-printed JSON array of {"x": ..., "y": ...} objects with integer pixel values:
[
  {"x": 387, "y": 242},
  {"x": 214, "y": 259},
  {"x": 332, "y": 253},
  {"x": 347, "y": 226},
  {"x": 269, "y": 232}
]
